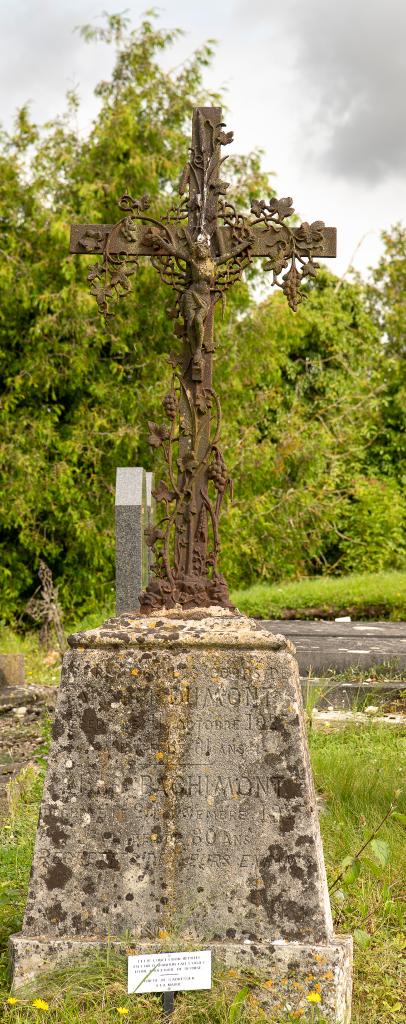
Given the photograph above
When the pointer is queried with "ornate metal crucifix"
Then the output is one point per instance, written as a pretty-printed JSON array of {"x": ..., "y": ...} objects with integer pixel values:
[{"x": 199, "y": 248}]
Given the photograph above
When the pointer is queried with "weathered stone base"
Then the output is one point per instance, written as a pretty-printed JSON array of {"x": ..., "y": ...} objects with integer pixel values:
[{"x": 290, "y": 971}]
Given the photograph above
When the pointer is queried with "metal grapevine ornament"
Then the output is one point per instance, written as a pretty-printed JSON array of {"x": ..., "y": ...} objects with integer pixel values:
[{"x": 200, "y": 248}]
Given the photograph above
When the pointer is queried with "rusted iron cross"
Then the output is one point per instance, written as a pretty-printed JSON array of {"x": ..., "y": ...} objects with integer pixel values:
[{"x": 199, "y": 248}]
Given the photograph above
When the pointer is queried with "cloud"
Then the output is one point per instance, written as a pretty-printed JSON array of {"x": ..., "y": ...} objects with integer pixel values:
[
  {"x": 42, "y": 56},
  {"x": 348, "y": 61}
]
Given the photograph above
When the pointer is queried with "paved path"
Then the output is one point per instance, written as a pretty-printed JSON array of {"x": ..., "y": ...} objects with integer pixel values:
[{"x": 339, "y": 645}]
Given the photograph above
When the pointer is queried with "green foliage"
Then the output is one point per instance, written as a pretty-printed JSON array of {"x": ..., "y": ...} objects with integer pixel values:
[
  {"x": 361, "y": 772},
  {"x": 386, "y": 300},
  {"x": 234, "y": 1013},
  {"x": 312, "y": 410},
  {"x": 302, "y": 398},
  {"x": 16, "y": 848},
  {"x": 387, "y": 292}
]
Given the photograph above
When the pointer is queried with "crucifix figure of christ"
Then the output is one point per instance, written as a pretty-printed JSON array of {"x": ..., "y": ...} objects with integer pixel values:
[{"x": 199, "y": 248}]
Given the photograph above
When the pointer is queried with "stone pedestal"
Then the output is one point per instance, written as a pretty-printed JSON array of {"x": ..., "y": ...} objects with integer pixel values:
[{"x": 179, "y": 800}]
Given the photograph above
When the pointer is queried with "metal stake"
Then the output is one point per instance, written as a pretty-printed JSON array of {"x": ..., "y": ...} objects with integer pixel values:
[{"x": 169, "y": 1001}]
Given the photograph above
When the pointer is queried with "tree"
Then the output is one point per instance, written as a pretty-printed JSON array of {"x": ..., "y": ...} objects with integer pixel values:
[
  {"x": 76, "y": 397},
  {"x": 303, "y": 402},
  {"x": 386, "y": 300},
  {"x": 387, "y": 291}
]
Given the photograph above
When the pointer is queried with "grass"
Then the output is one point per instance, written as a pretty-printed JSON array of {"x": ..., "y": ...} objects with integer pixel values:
[
  {"x": 37, "y": 670},
  {"x": 94, "y": 992},
  {"x": 359, "y": 773},
  {"x": 319, "y": 691},
  {"x": 380, "y": 595}
]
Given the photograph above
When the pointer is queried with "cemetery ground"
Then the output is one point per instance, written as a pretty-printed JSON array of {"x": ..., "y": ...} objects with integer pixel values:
[{"x": 359, "y": 774}]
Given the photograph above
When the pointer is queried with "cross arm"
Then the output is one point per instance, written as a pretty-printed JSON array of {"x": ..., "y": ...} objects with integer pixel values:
[
  {"x": 263, "y": 241},
  {"x": 90, "y": 239}
]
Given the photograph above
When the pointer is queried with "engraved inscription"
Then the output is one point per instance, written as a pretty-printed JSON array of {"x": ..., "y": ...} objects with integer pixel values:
[
  {"x": 215, "y": 785},
  {"x": 205, "y": 775}
]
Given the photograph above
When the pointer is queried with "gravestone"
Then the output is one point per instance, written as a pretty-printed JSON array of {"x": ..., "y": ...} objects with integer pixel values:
[
  {"x": 134, "y": 504},
  {"x": 11, "y": 669},
  {"x": 149, "y": 480},
  {"x": 179, "y": 800}
]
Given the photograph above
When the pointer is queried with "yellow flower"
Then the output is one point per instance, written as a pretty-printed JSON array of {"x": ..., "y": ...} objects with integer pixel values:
[
  {"x": 11, "y": 1000},
  {"x": 122, "y": 1010},
  {"x": 40, "y": 1004},
  {"x": 163, "y": 934},
  {"x": 314, "y": 997},
  {"x": 159, "y": 755}
]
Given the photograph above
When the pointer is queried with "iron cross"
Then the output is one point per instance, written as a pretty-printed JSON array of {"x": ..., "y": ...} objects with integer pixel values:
[{"x": 199, "y": 248}]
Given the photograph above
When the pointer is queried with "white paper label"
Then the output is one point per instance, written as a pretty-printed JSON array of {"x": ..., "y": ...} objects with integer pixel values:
[{"x": 169, "y": 972}]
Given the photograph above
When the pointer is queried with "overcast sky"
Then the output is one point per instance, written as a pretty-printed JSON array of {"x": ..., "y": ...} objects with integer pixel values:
[{"x": 320, "y": 85}]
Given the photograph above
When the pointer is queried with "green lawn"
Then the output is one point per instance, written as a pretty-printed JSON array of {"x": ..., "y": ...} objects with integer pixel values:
[
  {"x": 380, "y": 595},
  {"x": 359, "y": 773}
]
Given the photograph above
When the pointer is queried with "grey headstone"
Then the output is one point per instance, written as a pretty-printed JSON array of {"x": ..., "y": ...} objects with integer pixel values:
[
  {"x": 150, "y": 515},
  {"x": 11, "y": 669},
  {"x": 131, "y": 550},
  {"x": 179, "y": 800}
]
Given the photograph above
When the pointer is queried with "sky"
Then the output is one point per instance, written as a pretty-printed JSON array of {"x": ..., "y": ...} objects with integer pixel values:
[{"x": 319, "y": 85}]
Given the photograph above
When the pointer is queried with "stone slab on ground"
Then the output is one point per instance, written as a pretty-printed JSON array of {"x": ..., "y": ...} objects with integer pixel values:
[
  {"x": 321, "y": 646},
  {"x": 334, "y": 719},
  {"x": 179, "y": 799},
  {"x": 34, "y": 697},
  {"x": 11, "y": 670},
  {"x": 352, "y": 696}
]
